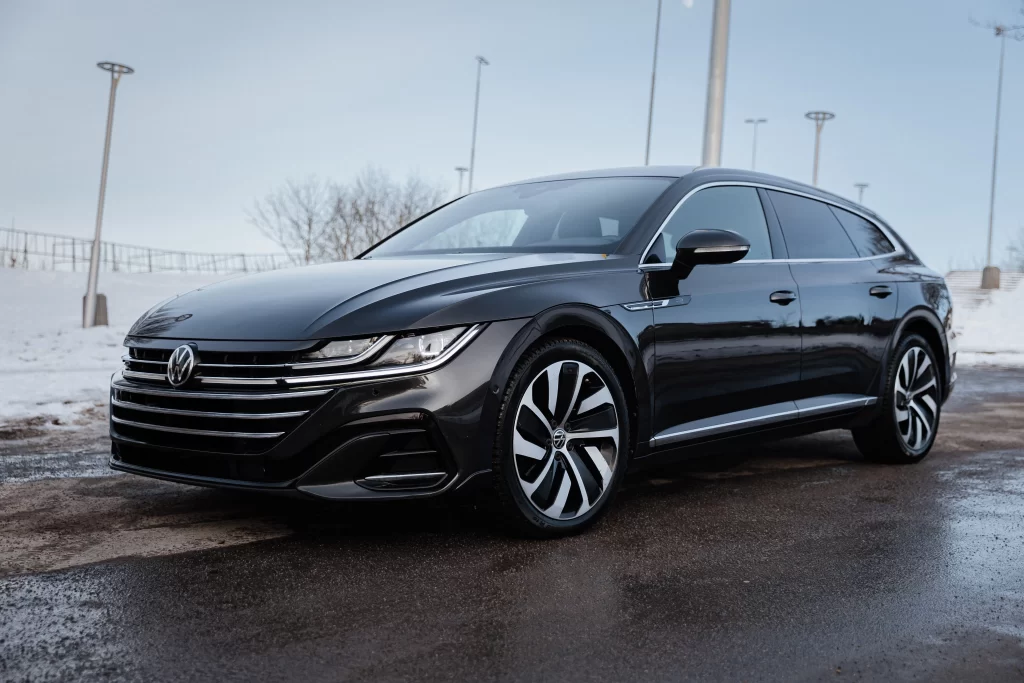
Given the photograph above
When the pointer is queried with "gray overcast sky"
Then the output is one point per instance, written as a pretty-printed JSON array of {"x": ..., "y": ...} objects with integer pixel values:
[{"x": 232, "y": 98}]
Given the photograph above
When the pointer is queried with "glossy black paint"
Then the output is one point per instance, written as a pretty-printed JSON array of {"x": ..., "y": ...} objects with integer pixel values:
[{"x": 729, "y": 337}]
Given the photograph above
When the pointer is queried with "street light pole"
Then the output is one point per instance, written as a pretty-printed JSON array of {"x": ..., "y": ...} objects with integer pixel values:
[
  {"x": 461, "y": 170},
  {"x": 89, "y": 313},
  {"x": 654, "y": 72},
  {"x": 753, "y": 153},
  {"x": 1001, "y": 34},
  {"x": 480, "y": 64},
  {"x": 860, "y": 191},
  {"x": 714, "y": 112},
  {"x": 819, "y": 118}
]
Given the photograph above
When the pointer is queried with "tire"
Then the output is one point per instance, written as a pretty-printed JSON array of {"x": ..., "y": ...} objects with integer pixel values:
[
  {"x": 905, "y": 428},
  {"x": 557, "y": 471}
]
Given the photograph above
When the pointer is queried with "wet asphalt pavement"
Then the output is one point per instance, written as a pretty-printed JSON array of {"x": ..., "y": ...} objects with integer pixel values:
[{"x": 797, "y": 561}]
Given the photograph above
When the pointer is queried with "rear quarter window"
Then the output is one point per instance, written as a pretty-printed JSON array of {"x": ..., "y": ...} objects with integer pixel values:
[{"x": 865, "y": 235}]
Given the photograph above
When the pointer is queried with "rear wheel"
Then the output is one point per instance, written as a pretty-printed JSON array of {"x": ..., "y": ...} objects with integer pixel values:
[
  {"x": 562, "y": 441},
  {"x": 905, "y": 429}
]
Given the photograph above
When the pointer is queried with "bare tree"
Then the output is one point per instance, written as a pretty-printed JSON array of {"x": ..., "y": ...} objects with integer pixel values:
[
  {"x": 325, "y": 221},
  {"x": 1015, "y": 253},
  {"x": 373, "y": 207},
  {"x": 297, "y": 217}
]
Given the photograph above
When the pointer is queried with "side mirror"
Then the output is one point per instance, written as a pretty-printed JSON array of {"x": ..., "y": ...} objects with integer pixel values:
[{"x": 706, "y": 247}]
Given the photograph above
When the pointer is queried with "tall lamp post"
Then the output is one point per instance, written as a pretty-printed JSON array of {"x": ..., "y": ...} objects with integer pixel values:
[
  {"x": 89, "y": 310},
  {"x": 654, "y": 73},
  {"x": 480, "y": 64},
  {"x": 753, "y": 153},
  {"x": 461, "y": 170},
  {"x": 819, "y": 118},
  {"x": 860, "y": 191},
  {"x": 714, "y": 112},
  {"x": 990, "y": 275}
]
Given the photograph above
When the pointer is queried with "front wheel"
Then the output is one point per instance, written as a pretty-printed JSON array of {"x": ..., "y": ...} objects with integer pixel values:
[
  {"x": 562, "y": 440},
  {"x": 905, "y": 429}
]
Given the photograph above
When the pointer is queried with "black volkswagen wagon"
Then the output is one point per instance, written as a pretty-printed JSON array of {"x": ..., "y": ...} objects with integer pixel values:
[{"x": 540, "y": 339}]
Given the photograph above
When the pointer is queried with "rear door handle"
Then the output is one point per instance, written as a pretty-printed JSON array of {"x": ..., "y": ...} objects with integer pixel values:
[
  {"x": 881, "y": 291},
  {"x": 782, "y": 298}
]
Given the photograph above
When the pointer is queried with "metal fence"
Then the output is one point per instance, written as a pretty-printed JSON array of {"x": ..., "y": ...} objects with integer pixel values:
[{"x": 42, "y": 251}]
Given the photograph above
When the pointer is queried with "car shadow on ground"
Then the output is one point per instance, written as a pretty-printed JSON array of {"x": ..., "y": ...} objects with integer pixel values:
[{"x": 475, "y": 513}]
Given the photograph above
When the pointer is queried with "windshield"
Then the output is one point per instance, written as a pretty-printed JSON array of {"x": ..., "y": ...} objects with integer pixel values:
[{"x": 589, "y": 215}]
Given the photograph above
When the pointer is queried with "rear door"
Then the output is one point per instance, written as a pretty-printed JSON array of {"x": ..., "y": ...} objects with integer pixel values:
[
  {"x": 847, "y": 303},
  {"x": 727, "y": 337}
]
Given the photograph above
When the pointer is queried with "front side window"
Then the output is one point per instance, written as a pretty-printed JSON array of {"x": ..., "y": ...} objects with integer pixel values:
[
  {"x": 810, "y": 228},
  {"x": 716, "y": 208},
  {"x": 869, "y": 240},
  {"x": 589, "y": 215}
]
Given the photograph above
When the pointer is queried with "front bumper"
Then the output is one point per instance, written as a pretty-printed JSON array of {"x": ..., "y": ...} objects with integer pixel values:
[{"x": 402, "y": 437}]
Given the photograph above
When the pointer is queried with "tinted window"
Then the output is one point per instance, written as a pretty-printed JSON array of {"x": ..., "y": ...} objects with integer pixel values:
[
  {"x": 810, "y": 228},
  {"x": 869, "y": 240},
  {"x": 716, "y": 208},
  {"x": 589, "y": 215}
]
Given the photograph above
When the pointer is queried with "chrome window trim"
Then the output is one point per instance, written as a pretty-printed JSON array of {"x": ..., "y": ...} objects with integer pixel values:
[{"x": 897, "y": 250}]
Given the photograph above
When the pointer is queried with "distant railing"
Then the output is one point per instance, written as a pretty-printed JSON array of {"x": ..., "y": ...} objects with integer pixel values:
[{"x": 43, "y": 251}]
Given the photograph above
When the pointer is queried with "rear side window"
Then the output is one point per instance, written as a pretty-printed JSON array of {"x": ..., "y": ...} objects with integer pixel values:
[
  {"x": 869, "y": 240},
  {"x": 717, "y": 208},
  {"x": 811, "y": 229}
]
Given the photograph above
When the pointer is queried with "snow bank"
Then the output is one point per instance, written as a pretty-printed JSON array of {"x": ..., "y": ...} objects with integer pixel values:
[
  {"x": 49, "y": 366},
  {"x": 993, "y": 333}
]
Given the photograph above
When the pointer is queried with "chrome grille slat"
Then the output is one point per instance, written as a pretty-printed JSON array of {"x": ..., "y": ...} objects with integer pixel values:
[
  {"x": 128, "y": 405},
  {"x": 148, "y": 376},
  {"x": 181, "y": 393},
  {"x": 197, "y": 432},
  {"x": 129, "y": 359}
]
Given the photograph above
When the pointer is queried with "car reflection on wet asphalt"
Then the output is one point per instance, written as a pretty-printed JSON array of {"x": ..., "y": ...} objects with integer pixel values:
[{"x": 795, "y": 561}]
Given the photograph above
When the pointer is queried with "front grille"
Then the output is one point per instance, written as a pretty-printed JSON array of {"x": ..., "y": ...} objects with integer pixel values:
[
  {"x": 211, "y": 421},
  {"x": 244, "y": 369}
]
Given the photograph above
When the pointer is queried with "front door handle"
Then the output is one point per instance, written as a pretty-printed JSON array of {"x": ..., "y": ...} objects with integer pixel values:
[
  {"x": 881, "y": 291},
  {"x": 782, "y": 298}
]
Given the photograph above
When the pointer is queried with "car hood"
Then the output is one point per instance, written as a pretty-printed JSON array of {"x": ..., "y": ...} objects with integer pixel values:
[{"x": 370, "y": 296}]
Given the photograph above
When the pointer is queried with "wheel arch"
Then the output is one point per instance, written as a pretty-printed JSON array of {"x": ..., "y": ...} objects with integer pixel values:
[
  {"x": 594, "y": 327},
  {"x": 925, "y": 323}
]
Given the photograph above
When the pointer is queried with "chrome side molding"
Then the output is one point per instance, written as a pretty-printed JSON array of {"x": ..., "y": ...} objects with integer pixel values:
[{"x": 763, "y": 415}]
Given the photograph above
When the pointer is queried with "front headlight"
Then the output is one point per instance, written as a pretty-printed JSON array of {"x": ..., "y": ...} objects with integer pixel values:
[
  {"x": 346, "y": 348},
  {"x": 419, "y": 348}
]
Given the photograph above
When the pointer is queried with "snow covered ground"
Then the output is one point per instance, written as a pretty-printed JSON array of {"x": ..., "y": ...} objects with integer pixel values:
[
  {"x": 52, "y": 371},
  {"x": 993, "y": 333},
  {"x": 54, "y": 374}
]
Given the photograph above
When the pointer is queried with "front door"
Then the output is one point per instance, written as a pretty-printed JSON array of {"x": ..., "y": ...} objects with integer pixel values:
[{"x": 727, "y": 337}]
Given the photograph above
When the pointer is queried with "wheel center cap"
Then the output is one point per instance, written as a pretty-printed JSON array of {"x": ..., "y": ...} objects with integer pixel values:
[{"x": 558, "y": 439}]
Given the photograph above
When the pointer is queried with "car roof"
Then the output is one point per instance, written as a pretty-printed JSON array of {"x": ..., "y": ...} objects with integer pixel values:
[
  {"x": 626, "y": 171},
  {"x": 681, "y": 171}
]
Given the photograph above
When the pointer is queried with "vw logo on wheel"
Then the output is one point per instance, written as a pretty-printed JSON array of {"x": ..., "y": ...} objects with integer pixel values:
[{"x": 180, "y": 365}]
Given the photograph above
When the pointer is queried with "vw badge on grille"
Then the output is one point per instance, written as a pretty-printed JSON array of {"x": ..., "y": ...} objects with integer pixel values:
[{"x": 180, "y": 365}]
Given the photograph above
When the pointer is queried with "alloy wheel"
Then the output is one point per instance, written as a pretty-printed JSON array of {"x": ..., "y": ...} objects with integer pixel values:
[
  {"x": 566, "y": 440},
  {"x": 916, "y": 399}
]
